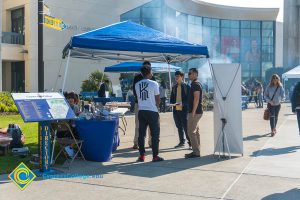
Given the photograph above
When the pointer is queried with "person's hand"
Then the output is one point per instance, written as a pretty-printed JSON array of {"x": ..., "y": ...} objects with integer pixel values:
[
  {"x": 193, "y": 114},
  {"x": 271, "y": 102},
  {"x": 179, "y": 104}
]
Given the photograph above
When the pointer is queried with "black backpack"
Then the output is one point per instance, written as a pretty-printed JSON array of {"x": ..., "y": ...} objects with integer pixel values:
[{"x": 16, "y": 134}]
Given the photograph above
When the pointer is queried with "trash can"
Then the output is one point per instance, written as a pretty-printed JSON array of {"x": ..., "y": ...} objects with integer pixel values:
[{"x": 98, "y": 137}]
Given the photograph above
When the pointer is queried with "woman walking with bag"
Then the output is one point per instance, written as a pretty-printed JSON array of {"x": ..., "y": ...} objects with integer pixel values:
[{"x": 274, "y": 95}]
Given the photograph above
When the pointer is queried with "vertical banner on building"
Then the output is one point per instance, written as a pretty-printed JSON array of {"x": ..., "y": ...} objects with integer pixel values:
[
  {"x": 227, "y": 108},
  {"x": 44, "y": 146}
]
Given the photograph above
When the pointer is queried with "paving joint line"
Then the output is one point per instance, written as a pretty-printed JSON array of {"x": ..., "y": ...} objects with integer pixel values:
[
  {"x": 137, "y": 189},
  {"x": 252, "y": 160}
]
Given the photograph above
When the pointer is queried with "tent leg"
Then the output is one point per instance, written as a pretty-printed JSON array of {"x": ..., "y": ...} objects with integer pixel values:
[
  {"x": 66, "y": 72},
  {"x": 170, "y": 81}
]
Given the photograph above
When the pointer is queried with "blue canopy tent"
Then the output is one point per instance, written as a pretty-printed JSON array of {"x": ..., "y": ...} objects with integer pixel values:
[
  {"x": 136, "y": 67},
  {"x": 128, "y": 41}
]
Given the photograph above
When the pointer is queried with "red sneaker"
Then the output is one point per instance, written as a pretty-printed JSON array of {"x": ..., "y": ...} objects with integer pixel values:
[
  {"x": 157, "y": 159},
  {"x": 141, "y": 158}
]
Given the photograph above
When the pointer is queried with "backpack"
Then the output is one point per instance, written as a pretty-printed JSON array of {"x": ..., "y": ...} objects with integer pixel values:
[{"x": 16, "y": 134}]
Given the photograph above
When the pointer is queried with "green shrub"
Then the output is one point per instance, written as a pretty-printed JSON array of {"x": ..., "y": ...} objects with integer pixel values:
[
  {"x": 6, "y": 103},
  {"x": 92, "y": 84}
]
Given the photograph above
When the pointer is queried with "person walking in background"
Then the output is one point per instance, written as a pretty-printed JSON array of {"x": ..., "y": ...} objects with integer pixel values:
[
  {"x": 179, "y": 97},
  {"x": 148, "y": 100},
  {"x": 295, "y": 100},
  {"x": 163, "y": 96},
  {"x": 260, "y": 92},
  {"x": 195, "y": 113},
  {"x": 274, "y": 95},
  {"x": 136, "y": 79}
]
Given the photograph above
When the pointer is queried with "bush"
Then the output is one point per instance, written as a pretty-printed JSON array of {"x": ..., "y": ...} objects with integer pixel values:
[
  {"x": 92, "y": 84},
  {"x": 208, "y": 103},
  {"x": 6, "y": 103}
]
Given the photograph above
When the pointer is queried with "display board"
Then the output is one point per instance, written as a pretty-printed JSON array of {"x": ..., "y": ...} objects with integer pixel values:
[
  {"x": 227, "y": 105},
  {"x": 37, "y": 107}
]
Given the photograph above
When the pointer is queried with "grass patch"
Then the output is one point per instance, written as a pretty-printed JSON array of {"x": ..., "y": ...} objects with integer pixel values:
[{"x": 30, "y": 130}]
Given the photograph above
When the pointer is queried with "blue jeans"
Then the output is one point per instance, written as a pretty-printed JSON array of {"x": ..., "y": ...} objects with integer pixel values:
[
  {"x": 180, "y": 119},
  {"x": 274, "y": 111}
]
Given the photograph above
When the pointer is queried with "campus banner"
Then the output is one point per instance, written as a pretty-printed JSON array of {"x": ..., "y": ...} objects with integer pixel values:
[{"x": 227, "y": 108}]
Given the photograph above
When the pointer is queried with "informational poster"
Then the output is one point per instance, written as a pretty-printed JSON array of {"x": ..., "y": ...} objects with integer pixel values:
[
  {"x": 36, "y": 107},
  {"x": 228, "y": 131}
]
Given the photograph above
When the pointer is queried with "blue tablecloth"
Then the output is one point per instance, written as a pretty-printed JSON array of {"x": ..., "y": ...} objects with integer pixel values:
[{"x": 100, "y": 138}]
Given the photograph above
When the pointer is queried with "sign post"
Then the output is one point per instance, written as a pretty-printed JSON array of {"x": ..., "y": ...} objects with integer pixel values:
[{"x": 44, "y": 146}]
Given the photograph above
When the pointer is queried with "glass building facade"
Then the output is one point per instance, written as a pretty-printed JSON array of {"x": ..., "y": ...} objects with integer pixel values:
[{"x": 249, "y": 42}]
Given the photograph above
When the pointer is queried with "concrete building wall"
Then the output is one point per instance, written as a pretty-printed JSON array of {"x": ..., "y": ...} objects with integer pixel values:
[
  {"x": 6, "y": 68},
  {"x": 80, "y": 16},
  {"x": 279, "y": 45},
  {"x": 291, "y": 40}
]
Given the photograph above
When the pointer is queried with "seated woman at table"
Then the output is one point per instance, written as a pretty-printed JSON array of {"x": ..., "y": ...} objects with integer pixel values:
[
  {"x": 73, "y": 101},
  {"x": 63, "y": 132}
]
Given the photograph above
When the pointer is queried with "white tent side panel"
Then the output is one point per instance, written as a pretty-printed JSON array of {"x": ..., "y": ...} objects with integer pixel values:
[
  {"x": 293, "y": 73},
  {"x": 226, "y": 76}
]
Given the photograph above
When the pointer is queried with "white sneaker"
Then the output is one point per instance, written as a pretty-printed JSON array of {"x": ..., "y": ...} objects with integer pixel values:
[{"x": 70, "y": 151}]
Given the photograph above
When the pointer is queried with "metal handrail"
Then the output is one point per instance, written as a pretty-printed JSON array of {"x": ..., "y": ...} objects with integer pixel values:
[{"x": 12, "y": 38}]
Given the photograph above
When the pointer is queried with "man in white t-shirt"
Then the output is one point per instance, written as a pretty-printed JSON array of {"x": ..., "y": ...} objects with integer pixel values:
[{"x": 147, "y": 92}]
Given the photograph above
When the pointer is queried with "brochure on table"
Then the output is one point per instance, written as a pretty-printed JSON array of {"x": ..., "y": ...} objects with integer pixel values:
[{"x": 37, "y": 107}]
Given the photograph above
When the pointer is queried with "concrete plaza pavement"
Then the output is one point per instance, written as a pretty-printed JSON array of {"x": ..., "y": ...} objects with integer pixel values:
[{"x": 269, "y": 168}]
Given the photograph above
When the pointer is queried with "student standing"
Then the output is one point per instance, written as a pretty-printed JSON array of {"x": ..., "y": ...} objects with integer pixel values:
[
  {"x": 147, "y": 92},
  {"x": 179, "y": 97},
  {"x": 136, "y": 79},
  {"x": 163, "y": 96},
  {"x": 195, "y": 113}
]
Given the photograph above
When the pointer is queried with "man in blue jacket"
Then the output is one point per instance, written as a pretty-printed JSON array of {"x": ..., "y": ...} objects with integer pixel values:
[{"x": 179, "y": 98}]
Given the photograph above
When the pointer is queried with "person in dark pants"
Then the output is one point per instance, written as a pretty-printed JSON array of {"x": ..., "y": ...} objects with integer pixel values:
[
  {"x": 179, "y": 97},
  {"x": 136, "y": 79},
  {"x": 274, "y": 95},
  {"x": 147, "y": 92},
  {"x": 104, "y": 87},
  {"x": 163, "y": 96},
  {"x": 295, "y": 100}
]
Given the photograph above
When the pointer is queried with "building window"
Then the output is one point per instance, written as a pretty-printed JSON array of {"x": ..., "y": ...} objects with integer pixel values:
[
  {"x": 249, "y": 42},
  {"x": 17, "y": 21},
  {"x": 195, "y": 29}
]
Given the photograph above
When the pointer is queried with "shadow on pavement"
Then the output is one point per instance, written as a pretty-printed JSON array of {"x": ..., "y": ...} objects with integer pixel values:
[
  {"x": 146, "y": 169},
  {"x": 255, "y": 137},
  {"x": 274, "y": 152},
  {"x": 129, "y": 152},
  {"x": 293, "y": 194}
]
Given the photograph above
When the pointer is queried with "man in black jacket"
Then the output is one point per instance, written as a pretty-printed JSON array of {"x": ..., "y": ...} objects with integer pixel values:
[
  {"x": 104, "y": 87},
  {"x": 179, "y": 97}
]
